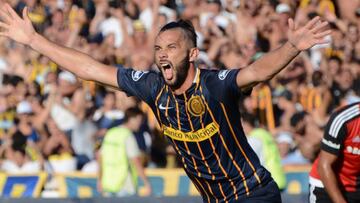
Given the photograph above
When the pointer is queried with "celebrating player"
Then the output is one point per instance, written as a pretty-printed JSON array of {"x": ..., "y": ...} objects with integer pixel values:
[{"x": 197, "y": 109}]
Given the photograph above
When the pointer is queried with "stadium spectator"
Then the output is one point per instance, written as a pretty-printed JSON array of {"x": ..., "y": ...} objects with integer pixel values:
[
  {"x": 69, "y": 106},
  {"x": 107, "y": 115},
  {"x": 57, "y": 150},
  {"x": 18, "y": 159},
  {"x": 265, "y": 148}
]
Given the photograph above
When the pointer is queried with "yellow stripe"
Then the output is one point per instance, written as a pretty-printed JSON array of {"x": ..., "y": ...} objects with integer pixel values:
[
  {"x": 214, "y": 149},
  {"x": 178, "y": 150},
  {"x": 269, "y": 109},
  {"x": 186, "y": 146},
  {"x": 229, "y": 153},
  {"x": 310, "y": 100},
  {"x": 202, "y": 154},
  {"x": 42, "y": 178},
  {"x": 157, "y": 104},
  {"x": 216, "y": 155},
  {"x": 176, "y": 147},
  {"x": 237, "y": 167},
  {"x": 255, "y": 98},
  {"x": 177, "y": 112},
  {"x": 208, "y": 198},
  {"x": 187, "y": 113},
  {"x": 212, "y": 193},
  {"x": 206, "y": 163},
  {"x": 318, "y": 99},
  {"x": 167, "y": 107},
  {"x": 303, "y": 98},
  {"x": 222, "y": 192},
  {"x": 158, "y": 112},
  {"x": 197, "y": 143},
  {"x": 238, "y": 144}
]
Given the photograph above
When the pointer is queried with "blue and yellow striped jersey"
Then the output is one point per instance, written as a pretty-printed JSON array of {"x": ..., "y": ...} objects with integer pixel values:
[{"x": 204, "y": 126}]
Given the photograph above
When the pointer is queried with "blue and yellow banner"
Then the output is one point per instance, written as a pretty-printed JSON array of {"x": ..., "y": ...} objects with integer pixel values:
[
  {"x": 169, "y": 182},
  {"x": 77, "y": 185},
  {"x": 164, "y": 182},
  {"x": 18, "y": 186},
  {"x": 297, "y": 179}
]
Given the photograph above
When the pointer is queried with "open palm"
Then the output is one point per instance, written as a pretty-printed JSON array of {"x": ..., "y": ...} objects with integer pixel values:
[
  {"x": 14, "y": 27},
  {"x": 309, "y": 35}
]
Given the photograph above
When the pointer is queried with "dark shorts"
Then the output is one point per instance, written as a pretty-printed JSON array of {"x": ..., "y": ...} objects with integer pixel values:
[
  {"x": 268, "y": 193},
  {"x": 319, "y": 195}
]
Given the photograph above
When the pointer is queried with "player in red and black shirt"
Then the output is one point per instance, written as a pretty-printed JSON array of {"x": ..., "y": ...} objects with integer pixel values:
[
  {"x": 197, "y": 109},
  {"x": 335, "y": 175}
]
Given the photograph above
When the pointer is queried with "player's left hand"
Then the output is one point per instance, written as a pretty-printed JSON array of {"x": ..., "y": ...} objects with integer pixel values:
[{"x": 309, "y": 35}]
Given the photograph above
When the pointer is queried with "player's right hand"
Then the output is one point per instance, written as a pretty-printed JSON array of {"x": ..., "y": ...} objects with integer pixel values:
[{"x": 14, "y": 27}]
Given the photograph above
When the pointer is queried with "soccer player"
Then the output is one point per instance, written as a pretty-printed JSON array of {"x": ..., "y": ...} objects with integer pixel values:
[
  {"x": 335, "y": 175},
  {"x": 197, "y": 109}
]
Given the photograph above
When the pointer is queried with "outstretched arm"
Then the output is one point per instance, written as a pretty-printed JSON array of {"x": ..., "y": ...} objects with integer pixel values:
[
  {"x": 21, "y": 30},
  {"x": 273, "y": 62}
]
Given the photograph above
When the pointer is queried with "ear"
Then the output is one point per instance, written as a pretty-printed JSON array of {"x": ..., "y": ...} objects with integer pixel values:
[{"x": 194, "y": 53}]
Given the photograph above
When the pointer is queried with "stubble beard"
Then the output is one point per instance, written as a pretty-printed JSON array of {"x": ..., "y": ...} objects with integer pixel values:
[{"x": 181, "y": 71}]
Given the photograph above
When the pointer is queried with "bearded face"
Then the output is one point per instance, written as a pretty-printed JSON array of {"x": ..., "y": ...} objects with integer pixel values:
[{"x": 172, "y": 56}]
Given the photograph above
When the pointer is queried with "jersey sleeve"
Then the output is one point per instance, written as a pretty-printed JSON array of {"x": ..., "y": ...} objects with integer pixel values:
[
  {"x": 141, "y": 84},
  {"x": 334, "y": 135},
  {"x": 222, "y": 85}
]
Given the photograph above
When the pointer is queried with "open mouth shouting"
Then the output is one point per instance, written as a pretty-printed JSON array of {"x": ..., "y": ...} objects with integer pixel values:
[{"x": 168, "y": 70}]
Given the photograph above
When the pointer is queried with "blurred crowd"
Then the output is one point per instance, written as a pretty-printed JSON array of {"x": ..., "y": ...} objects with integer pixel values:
[{"x": 51, "y": 120}]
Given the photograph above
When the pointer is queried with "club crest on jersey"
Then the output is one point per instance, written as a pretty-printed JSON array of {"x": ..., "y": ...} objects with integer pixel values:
[
  {"x": 136, "y": 75},
  {"x": 196, "y": 106},
  {"x": 223, "y": 73}
]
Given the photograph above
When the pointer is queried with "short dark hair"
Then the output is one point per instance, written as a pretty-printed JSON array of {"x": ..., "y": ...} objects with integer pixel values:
[
  {"x": 336, "y": 58},
  {"x": 297, "y": 117},
  {"x": 132, "y": 112},
  {"x": 184, "y": 25}
]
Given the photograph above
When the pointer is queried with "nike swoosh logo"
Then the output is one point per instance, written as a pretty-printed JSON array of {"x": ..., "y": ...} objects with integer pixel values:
[{"x": 161, "y": 107}]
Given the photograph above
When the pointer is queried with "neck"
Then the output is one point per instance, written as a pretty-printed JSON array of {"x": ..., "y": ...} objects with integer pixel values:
[
  {"x": 128, "y": 126},
  {"x": 188, "y": 81},
  {"x": 143, "y": 5}
]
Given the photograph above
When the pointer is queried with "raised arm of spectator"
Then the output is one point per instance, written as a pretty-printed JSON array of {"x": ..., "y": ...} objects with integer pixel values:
[
  {"x": 40, "y": 120},
  {"x": 120, "y": 15},
  {"x": 215, "y": 47},
  {"x": 82, "y": 65},
  {"x": 155, "y": 16},
  {"x": 328, "y": 177},
  {"x": 99, "y": 16},
  {"x": 331, "y": 17},
  {"x": 270, "y": 64},
  {"x": 74, "y": 34},
  {"x": 307, "y": 65}
]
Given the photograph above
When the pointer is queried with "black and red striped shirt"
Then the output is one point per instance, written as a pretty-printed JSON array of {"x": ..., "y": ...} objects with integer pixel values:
[{"x": 342, "y": 138}]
